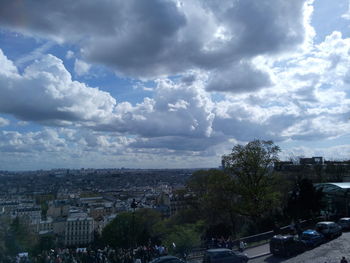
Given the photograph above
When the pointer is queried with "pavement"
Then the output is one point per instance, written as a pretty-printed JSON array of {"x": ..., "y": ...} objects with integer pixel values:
[
  {"x": 330, "y": 252},
  {"x": 258, "y": 251},
  {"x": 252, "y": 253}
]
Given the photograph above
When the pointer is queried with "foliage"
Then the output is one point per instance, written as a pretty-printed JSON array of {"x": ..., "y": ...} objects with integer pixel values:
[
  {"x": 251, "y": 165},
  {"x": 128, "y": 229},
  {"x": 45, "y": 243},
  {"x": 44, "y": 207},
  {"x": 183, "y": 238},
  {"x": 19, "y": 237},
  {"x": 216, "y": 198},
  {"x": 304, "y": 201},
  {"x": 336, "y": 173}
]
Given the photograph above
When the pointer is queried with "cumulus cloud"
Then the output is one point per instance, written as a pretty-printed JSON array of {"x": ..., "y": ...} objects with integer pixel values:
[
  {"x": 309, "y": 100},
  {"x": 163, "y": 38},
  {"x": 46, "y": 92},
  {"x": 231, "y": 48},
  {"x": 73, "y": 148},
  {"x": 55, "y": 99},
  {"x": 174, "y": 110}
]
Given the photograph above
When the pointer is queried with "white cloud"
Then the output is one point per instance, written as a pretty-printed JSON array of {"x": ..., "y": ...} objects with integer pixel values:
[
  {"x": 71, "y": 148},
  {"x": 4, "y": 122},
  {"x": 69, "y": 54},
  {"x": 174, "y": 110},
  {"x": 22, "y": 123},
  {"x": 35, "y": 54},
  {"x": 347, "y": 14},
  {"x": 224, "y": 73},
  {"x": 309, "y": 100},
  {"x": 337, "y": 152},
  {"x": 81, "y": 67},
  {"x": 53, "y": 96}
]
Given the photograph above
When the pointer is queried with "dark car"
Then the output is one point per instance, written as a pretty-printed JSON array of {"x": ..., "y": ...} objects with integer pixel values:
[
  {"x": 312, "y": 238},
  {"x": 286, "y": 245},
  {"x": 329, "y": 229},
  {"x": 344, "y": 223},
  {"x": 224, "y": 255},
  {"x": 167, "y": 259}
]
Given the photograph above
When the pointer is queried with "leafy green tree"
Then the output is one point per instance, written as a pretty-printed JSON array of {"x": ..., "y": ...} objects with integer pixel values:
[
  {"x": 251, "y": 166},
  {"x": 183, "y": 238},
  {"x": 305, "y": 201},
  {"x": 128, "y": 229},
  {"x": 20, "y": 237},
  {"x": 216, "y": 200}
]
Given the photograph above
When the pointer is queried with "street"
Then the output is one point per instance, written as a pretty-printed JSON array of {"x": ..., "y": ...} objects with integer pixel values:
[{"x": 330, "y": 252}]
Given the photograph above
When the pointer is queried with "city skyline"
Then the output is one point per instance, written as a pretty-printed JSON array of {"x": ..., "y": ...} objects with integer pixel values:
[{"x": 171, "y": 84}]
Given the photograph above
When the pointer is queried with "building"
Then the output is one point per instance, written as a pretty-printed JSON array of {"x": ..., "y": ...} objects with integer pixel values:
[
  {"x": 45, "y": 225},
  {"x": 32, "y": 214},
  {"x": 7, "y": 207},
  {"x": 79, "y": 230},
  {"x": 336, "y": 198},
  {"x": 58, "y": 208},
  {"x": 311, "y": 161}
]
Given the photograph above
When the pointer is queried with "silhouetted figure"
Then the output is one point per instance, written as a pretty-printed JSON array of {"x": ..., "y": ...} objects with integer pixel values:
[{"x": 276, "y": 229}]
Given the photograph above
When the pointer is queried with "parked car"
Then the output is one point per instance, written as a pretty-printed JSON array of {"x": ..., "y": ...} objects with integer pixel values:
[
  {"x": 286, "y": 245},
  {"x": 224, "y": 255},
  {"x": 329, "y": 229},
  {"x": 167, "y": 259},
  {"x": 344, "y": 223},
  {"x": 312, "y": 238}
]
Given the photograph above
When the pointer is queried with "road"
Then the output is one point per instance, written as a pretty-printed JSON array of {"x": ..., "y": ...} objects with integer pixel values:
[
  {"x": 330, "y": 252},
  {"x": 258, "y": 250}
]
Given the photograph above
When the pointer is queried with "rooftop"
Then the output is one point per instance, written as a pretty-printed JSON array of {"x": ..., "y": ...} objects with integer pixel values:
[{"x": 334, "y": 187}]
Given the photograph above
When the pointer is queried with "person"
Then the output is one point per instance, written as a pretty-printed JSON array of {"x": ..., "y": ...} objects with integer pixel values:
[
  {"x": 276, "y": 229},
  {"x": 343, "y": 260},
  {"x": 241, "y": 245},
  {"x": 298, "y": 228}
]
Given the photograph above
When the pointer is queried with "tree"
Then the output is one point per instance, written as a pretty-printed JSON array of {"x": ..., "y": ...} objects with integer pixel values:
[
  {"x": 20, "y": 237},
  {"x": 336, "y": 172},
  {"x": 127, "y": 229},
  {"x": 216, "y": 200},
  {"x": 305, "y": 201},
  {"x": 251, "y": 166},
  {"x": 183, "y": 238}
]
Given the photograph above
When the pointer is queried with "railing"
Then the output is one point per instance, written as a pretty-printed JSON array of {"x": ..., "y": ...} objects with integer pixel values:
[{"x": 254, "y": 240}]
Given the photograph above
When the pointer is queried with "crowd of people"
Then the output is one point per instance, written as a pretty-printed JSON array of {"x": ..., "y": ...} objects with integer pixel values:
[
  {"x": 226, "y": 243},
  {"x": 141, "y": 254}
]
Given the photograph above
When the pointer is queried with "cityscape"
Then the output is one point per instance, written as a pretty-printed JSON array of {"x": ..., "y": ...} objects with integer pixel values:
[
  {"x": 171, "y": 131},
  {"x": 72, "y": 208}
]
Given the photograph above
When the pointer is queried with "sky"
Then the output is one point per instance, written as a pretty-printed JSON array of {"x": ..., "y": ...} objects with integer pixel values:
[{"x": 170, "y": 83}]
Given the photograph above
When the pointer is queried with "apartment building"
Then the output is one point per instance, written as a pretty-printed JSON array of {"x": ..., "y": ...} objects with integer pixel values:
[{"x": 79, "y": 230}]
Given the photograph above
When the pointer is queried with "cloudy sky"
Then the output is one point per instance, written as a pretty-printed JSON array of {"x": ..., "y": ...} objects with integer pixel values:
[{"x": 171, "y": 83}]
